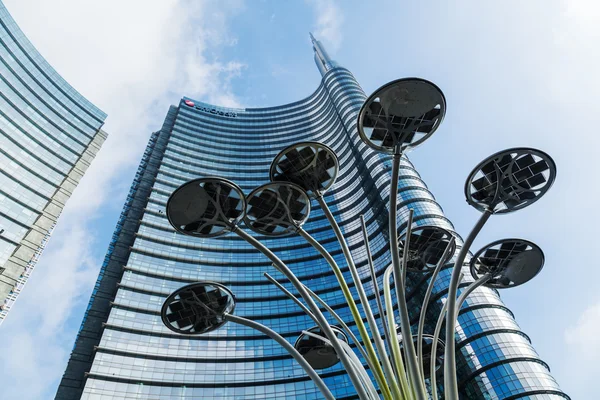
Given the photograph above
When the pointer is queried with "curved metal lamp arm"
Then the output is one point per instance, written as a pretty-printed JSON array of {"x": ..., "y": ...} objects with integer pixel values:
[
  {"x": 281, "y": 267},
  {"x": 436, "y": 337},
  {"x": 414, "y": 372},
  {"x": 290, "y": 349},
  {"x": 396, "y": 352},
  {"x": 463, "y": 296},
  {"x": 377, "y": 371},
  {"x": 434, "y": 275},
  {"x": 344, "y": 326},
  {"x": 469, "y": 289},
  {"x": 450, "y": 382},
  {"x": 359, "y": 370},
  {"x": 375, "y": 284},
  {"x": 368, "y": 384},
  {"x": 292, "y": 297}
]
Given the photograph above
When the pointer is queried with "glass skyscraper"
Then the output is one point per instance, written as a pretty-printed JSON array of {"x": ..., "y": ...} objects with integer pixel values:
[
  {"x": 49, "y": 135},
  {"x": 123, "y": 351}
]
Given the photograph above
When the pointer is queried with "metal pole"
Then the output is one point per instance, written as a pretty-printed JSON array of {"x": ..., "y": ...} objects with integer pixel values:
[
  {"x": 468, "y": 290},
  {"x": 436, "y": 336},
  {"x": 396, "y": 352},
  {"x": 343, "y": 324},
  {"x": 434, "y": 275},
  {"x": 293, "y": 352},
  {"x": 450, "y": 382},
  {"x": 375, "y": 284},
  {"x": 411, "y": 356},
  {"x": 326, "y": 306},
  {"x": 347, "y": 329},
  {"x": 368, "y": 383},
  {"x": 474, "y": 285},
  {"x": 312, "y": 305},
  {"x": 363, "y": 299},
  {"x": 377, "y": 371},
  {"x": 292, "y": 297},
  {"x": 359, "y": 367}
]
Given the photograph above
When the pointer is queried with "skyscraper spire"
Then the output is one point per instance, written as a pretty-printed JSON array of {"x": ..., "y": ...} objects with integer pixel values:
[{"x": 322, "y": 59}]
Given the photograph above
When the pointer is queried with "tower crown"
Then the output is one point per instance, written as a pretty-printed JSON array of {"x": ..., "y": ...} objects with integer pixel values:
[{"x": 322, "y": 59}]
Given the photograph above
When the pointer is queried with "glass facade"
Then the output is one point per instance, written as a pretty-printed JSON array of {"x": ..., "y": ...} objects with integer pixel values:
[
  {"x": 123, "y": 351},
  {"x": 49, "y": 134}
]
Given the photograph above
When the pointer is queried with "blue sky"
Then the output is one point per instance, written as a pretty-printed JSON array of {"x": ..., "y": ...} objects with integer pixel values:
[{"x": 514, "y": 74}]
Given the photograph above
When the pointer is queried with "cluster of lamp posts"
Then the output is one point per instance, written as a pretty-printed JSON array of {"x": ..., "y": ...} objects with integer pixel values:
[{"x": 397, "y": 117}]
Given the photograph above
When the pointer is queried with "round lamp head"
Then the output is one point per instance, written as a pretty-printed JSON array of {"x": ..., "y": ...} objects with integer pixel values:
[
  {"x": 427, "y": 349},
  {"x": 511, "y": 262},
  {"x": 510, "y": 180},
  {"x": 426, "y": 248},
  {"x": 401, "y": 114},
  {"x": 206, "y": 207},
  {"x": 315, "y": 351},
  {"x": 197, "y": 308},
  {"x": 310, "y": 165},
  {"x": 277, "y": 209}
]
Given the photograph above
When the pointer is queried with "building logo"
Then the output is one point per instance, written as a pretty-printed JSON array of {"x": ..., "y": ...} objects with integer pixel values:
[{"x": 210, "y": 110}]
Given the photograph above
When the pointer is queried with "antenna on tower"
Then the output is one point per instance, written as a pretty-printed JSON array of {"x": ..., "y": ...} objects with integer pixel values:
[{"x": 322, "y": 59}]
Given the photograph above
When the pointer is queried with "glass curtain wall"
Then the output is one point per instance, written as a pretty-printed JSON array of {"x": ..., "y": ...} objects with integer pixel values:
[{"x": 49, "y": 134}]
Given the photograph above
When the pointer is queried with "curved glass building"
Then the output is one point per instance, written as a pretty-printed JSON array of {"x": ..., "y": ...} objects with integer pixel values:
[
  {"x": 49, "y": 135},
  {"x": 123, "y": 351}
]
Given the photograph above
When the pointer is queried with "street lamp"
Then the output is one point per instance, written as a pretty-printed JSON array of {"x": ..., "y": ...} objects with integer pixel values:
[
  {"x": 429, "y": 249},
  {"x": 396, "y": 118},
  {"x": 197, "y": 308},
  {"x": 211, "y": 207},
  {"x": 401, "y": 114},
  {"x": 508, "y": 263},
  {"x": 277, "y": 209},
  {"x": 205, "y": 306},
  {"x": 314, "y": 167},
  {"x": 501, "y": 264},
  {"x": 504, "y": 182},
  {"x": 315, "y": 350}
]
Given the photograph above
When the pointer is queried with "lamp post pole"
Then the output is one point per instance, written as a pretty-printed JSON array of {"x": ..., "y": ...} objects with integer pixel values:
[
  {"x": 423, "y": 313},
  {"x": 389, "y": 373},
  {"x": 450, "y": 382},
  {"x": 281, "y": 267},
  {"x": 372, "y": 356}
]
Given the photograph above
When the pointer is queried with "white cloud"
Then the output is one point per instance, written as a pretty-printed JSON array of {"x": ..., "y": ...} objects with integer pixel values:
[
  {"x": 35, "y": 341},
  {"x": 329, "y": 22},
  {"x": 583, "y": 10},
  {"x": 575, "y": 37},
  {"x": 580, "y": 365},
  {"x": 133, "y": 59},
  {"x": 583, "y": 339},
  {"x": 147, "y": 53}
]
